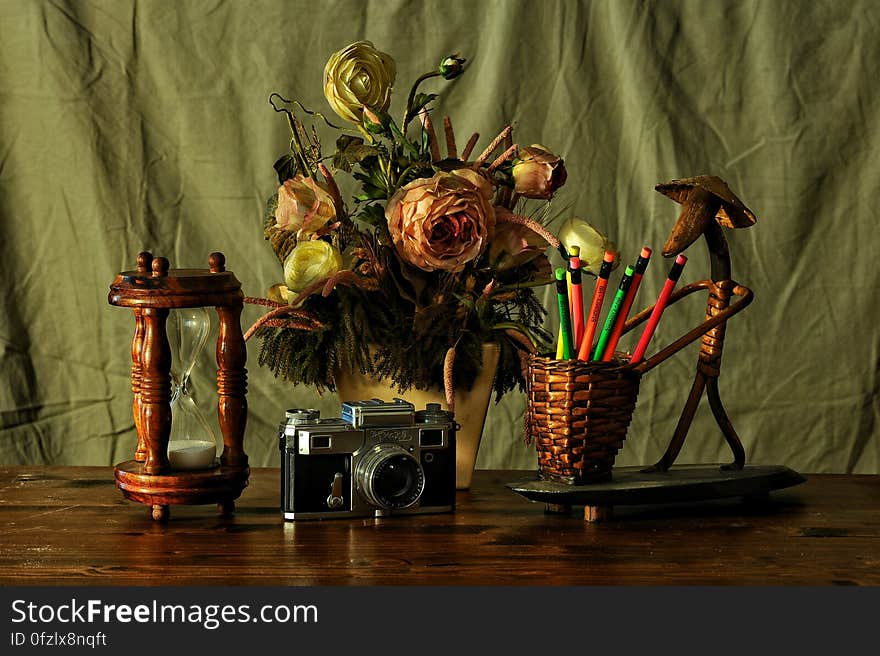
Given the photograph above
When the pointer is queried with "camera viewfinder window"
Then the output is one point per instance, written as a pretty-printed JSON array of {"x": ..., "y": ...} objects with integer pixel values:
[
  {"x": 320, "y": 441},
  {"x": 431, "y": 437}
]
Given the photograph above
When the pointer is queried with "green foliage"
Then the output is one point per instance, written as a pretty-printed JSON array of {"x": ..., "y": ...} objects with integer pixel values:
[
  {"x": 350, "y": 151},
  {"x": 286, "y": 167},
  {"x": 409, "y": 332},
  {"x": 372, "y": 215},
  {"x": 421, "y": 100}
]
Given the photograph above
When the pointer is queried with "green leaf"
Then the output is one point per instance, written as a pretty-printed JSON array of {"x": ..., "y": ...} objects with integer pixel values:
[
  {"x": 420, "y": 101},
  {"x": 286, "y": 166},
  {"x": 373, "y": 184},
  {"x": 351, "y": 151},
  {"x": 345, "y": 140},
  {"x": 372, "y": 214},
  {"x": 371, "y": 193}
]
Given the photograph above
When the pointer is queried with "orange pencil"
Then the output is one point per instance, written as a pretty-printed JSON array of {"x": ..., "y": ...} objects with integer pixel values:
[{"x": 596, "y": 306}]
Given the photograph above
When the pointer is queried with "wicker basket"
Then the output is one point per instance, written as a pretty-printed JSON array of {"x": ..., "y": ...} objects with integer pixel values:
[{"x": 577, "y": 416}]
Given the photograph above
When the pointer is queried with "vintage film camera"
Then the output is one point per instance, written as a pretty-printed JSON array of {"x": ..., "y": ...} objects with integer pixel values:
[{"x": 378, "y": 459}]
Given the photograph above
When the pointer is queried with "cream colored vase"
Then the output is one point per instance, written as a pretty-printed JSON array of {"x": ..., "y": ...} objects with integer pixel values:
[{"x": 470, "y": 407}]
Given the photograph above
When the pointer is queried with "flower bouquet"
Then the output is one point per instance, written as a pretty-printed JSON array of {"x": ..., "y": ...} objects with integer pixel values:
[{"x": 436, "y": 254}]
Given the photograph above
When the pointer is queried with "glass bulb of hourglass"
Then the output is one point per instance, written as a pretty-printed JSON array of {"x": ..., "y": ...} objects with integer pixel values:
[{"x": 193, "y": 445}]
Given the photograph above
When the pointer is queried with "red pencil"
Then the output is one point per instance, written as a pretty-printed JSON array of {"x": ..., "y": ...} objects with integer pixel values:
[
  {"x": 662, "y": 300},
  {"x": 586, "y": 344},
  {"x": 576, "y": 297},
  {"x": 641, "y": 265}
]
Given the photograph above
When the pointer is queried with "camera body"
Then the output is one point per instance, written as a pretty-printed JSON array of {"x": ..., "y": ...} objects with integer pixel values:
[{"x": 377, "y": 459}]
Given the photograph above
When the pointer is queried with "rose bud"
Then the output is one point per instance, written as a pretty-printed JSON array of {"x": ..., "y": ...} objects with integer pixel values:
[
  {"x": 452, "y": 66},
  {"x": 304, "y": 205},
  {"x": 538, "y": 173},
  {"x": 375, "y": 121}
]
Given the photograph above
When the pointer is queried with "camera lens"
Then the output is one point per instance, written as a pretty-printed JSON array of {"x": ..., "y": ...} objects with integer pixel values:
[{"x": 390, "y": 477}]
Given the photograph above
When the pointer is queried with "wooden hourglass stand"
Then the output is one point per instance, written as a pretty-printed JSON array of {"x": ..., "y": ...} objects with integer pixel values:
[{"x": 151, "y": 291}]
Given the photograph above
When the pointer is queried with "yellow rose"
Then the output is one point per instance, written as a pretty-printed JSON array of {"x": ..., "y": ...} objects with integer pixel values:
[
  {"x": 358, "y": 76},
  {"x": 309, "y": 262}
]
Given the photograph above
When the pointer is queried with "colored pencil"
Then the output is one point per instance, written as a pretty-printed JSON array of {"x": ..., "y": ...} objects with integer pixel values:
[
  {"x": 576, "y": 296},
  {"x": 617, "y": 331},
  {"x": 613, "y": 311},
  {"x": 564, "y": 319},
  {"x": 596, "y": 307},
  {"x": 573, "y": 251},
  {"x": 659, "y": 306}
]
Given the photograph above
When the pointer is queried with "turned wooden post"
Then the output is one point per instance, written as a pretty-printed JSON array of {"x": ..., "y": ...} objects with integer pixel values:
[
  {"x": 144, "y": 266},
  {"x": 155, "y": 387},
  {"x": 155, "y": 391},
  {"x": 231, "y": 375}
]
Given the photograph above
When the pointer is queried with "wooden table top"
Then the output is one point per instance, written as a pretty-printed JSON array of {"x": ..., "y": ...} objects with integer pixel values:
[{"x": 71, "y": 526}]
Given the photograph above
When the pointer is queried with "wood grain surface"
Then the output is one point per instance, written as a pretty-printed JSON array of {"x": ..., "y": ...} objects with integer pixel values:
[{"x": 71, "y": 526}]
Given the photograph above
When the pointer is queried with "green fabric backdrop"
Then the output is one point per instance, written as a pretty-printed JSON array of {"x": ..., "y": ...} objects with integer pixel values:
[{"x": 133, "y": 125}]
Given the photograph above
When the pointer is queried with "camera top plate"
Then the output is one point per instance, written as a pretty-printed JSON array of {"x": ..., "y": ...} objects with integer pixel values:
[{"x": 376, "y": 412}]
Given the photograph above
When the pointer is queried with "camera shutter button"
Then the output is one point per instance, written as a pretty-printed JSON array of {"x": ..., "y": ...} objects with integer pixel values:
[{"x": 335, "y": 499}]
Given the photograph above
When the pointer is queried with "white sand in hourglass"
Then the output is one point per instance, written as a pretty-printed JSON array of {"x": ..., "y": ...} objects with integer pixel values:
[{"x": 191, "y": 454}]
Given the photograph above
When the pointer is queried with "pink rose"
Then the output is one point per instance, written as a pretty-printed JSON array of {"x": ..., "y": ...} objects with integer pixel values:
[
  {"x": 304, "y": 205},
  {"x": 443, "y": 222},
  {"x": 537, "y": 172},
  {"x": 514, "y": 244}
]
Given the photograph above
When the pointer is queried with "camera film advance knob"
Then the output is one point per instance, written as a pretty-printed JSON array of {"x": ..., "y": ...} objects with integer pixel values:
[
  {"x": 334, "y": 500},
  {"x": 433, "y": 413}
]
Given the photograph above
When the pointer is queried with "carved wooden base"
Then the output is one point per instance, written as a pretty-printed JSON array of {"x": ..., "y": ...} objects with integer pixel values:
[{"x": 221, "y": 485}]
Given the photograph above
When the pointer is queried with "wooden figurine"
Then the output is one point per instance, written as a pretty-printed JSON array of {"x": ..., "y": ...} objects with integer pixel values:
[
  {"x": 708, "y": 205},
  {"x": 152, "y": 290}
]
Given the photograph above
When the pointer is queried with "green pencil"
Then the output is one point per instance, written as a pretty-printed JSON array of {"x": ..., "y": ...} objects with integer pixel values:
[
  {"x": 608, "y": 327},
  {"x": 564, "y": 317}
]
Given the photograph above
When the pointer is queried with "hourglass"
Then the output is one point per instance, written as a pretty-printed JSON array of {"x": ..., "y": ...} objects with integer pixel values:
[
  {"x": 178, "y": 459},
  {"x": 192, "y": 444}
]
